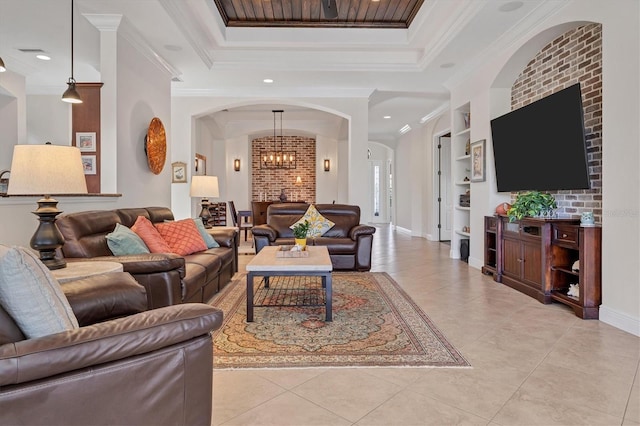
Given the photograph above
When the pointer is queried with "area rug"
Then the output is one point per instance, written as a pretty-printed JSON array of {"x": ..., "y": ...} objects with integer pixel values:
[{"x": 375, "y": 324}]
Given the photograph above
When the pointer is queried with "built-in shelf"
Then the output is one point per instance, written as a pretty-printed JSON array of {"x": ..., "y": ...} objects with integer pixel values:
[
  {"x": 463, "y": 157},
  {"x": 463, "y": 132},
  {"x": 466, "y": 234},
  {"x": 463, "y": 182},
  {"x": 463, "y": 208}
]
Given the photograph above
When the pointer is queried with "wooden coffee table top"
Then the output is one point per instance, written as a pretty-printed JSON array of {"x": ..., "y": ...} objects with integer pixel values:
[{"x": 266, "y": 260}]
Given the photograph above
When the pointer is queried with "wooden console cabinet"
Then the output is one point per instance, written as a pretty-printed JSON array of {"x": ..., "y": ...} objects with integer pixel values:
[{"x": 535, "y": 256}]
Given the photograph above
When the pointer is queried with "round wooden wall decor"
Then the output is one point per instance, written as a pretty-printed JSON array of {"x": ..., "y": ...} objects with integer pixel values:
[{"x": 156, "y": 146}]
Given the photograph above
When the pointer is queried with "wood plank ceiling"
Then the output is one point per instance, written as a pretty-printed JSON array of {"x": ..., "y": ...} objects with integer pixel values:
[{"x": 309, "y": 13}]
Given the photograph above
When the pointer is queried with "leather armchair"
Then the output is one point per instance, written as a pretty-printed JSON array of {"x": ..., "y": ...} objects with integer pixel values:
[
  {"x": 349, "y": 242},
  {"x": 154, "y": 367}
]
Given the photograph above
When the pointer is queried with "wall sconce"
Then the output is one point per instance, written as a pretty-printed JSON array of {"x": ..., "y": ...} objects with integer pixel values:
[
  {"x": 236, "y": 164},
  {"x": 327, "y": 165}
]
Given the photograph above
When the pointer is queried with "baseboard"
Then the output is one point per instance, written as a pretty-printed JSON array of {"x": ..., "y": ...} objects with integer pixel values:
[
  {"x": 619, "y": 320},
  {"x": 403, "y": 230},
  {"x": 475, "y": 263}
]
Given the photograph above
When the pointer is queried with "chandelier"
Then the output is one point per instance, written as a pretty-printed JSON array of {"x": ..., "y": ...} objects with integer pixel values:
[{"x": 278, "y": 158}]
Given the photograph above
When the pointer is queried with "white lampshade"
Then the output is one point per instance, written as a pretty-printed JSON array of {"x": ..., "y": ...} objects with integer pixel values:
[
  {"x": 204, "y": 186},
  {"x": 46, "y": 170}
]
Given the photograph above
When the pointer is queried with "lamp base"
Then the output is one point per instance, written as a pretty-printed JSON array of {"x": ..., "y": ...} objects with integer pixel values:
[
  {"x": 205, "y": 215},
  {"x": 48, "y": 238}
]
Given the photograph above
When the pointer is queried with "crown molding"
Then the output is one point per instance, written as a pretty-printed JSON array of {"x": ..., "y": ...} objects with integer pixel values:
[
  {"x": 252, "y": 92},
  {"x": 188, "y": 26}
]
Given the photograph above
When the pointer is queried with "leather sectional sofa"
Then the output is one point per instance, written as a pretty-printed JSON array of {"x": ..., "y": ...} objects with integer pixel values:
[
  {"x": 169, "y": 279},
  {"x": 143, "y": 367},
  {"x": 349, "y": 242}
]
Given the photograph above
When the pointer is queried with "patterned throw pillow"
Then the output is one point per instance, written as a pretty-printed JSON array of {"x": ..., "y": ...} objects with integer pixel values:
[
  {"x": 123, "y": 241},
  {"x": 208, "y": 239},
  {"x": 182, "y": 236},
  {"x": 31, "y": 295},
  {"x": 319, "y": 224},
  {"x": 150, "y": 235}
]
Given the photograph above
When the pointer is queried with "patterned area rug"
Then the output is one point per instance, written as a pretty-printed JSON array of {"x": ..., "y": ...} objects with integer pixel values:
[{"x": 375, "y": 324}]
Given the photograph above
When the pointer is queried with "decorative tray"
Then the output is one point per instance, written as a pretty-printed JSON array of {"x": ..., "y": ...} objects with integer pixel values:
[{"x": 285, "y": 251}]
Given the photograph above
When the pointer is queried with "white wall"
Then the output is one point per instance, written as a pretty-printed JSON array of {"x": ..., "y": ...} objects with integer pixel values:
[
  {"x": 13, "y": 112},
  {"x": 48, "y": 119},
  {"x": 326, "y": 182},
  {"x": 621, "y": 152},
  {"x": 352, "y": 156},
  {"x": 140, "y": 97}
]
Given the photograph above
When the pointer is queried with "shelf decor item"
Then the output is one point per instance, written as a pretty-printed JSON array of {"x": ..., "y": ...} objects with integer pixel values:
[
  {"x": 532, "y": 204},
  {"x": 477, "y": 161}
]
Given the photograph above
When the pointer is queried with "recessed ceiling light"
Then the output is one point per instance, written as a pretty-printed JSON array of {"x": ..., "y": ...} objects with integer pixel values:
[
  {"x": 386, "y": 117},
  {"x": 267, "y": 80},
  {"x": 511, "y": 6},
  {"x": 43, "y": 57},
  {"x": 447, "y": 65}
]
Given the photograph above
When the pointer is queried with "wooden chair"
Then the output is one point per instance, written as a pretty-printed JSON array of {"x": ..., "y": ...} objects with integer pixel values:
[{"x": 241, "y": 219}]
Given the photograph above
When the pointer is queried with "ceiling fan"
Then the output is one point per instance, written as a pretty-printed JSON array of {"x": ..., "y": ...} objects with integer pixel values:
[{"x": 330, "y": 9}]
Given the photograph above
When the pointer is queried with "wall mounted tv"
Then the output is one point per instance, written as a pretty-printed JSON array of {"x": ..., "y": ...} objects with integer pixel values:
[{"x": 541, "y": 146}]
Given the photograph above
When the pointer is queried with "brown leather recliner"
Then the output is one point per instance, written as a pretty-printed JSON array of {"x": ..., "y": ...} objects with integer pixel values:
[
  {"x": 349, "y": 242},
  {"x": 152, "y": 367}
]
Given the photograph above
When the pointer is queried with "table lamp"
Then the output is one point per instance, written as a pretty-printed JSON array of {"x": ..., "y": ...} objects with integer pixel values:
[
  {"x": 46, "y": 170},
  {"x": 204, "y": 186}
]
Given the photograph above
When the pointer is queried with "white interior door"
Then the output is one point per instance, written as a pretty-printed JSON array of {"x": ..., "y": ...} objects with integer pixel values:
[
  {"x": 379, "y": 192},
  {"x": 446, "y": 203}
]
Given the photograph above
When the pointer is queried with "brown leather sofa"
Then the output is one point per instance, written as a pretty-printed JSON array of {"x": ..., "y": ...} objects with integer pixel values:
[
  {"x": 169, "y": 279},
  {"x": 151, "y": 367},
  {"x": 349, "y": 243}
]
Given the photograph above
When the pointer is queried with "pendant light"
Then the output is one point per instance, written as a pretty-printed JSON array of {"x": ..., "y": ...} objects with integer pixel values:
[{"x": 71, "y": 95}]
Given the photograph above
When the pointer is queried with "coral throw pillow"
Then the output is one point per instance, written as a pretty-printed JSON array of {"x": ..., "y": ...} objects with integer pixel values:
[
  {"x": 150, "y": 235},
  {"x": 182, "y": 236},
  {"x": 319, "y": 223}
]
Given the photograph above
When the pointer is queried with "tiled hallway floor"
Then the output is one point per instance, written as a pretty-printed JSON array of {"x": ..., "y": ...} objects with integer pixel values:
[{"x": 532, "y": 363}]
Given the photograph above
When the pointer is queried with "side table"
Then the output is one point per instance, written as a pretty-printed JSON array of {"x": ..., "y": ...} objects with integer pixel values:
[{"x": 77, "y": 270}]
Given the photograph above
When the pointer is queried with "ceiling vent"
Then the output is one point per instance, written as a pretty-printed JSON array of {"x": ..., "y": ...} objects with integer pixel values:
[{"x": 31, "y": 50}]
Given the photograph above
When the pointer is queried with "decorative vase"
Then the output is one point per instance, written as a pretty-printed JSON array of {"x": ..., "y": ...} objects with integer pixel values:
[
  {"x": 503, "y": 208},
  {"x": 302, "y": 242}
]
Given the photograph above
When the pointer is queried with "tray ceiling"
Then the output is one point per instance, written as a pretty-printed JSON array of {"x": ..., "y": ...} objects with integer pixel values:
[{"x": 309, "y": 13}]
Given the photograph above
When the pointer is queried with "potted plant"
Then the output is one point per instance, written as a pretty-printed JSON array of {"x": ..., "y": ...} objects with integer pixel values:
[
  {"x": 300, "y": 231},
  {"x": 532, "y": 204}
]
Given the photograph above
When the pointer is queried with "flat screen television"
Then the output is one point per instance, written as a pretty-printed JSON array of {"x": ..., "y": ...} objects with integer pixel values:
[{"x": 541, "y": 146}]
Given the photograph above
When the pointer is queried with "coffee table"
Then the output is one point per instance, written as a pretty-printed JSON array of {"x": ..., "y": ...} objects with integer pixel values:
[{"x": 265, "y": 264}]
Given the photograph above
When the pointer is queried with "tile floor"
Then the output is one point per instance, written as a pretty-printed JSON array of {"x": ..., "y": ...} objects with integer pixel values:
[{"x": 533, "y": 364}]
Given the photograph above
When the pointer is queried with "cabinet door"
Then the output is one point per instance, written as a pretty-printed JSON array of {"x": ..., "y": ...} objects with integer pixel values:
[
  {"x": 532, "y": 264},
  {"x": 512, "y": 259}
]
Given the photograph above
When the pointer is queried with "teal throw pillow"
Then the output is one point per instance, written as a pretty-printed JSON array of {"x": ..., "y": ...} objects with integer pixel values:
[
  {"x": 123, "y": 241},
  {"x": 31, "y": 295},
  {"x": 208, "y": 239}
]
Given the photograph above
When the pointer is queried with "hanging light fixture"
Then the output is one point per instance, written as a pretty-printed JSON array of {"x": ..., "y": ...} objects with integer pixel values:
[
  {"x": 71, "y": 95},
  {"x": 278, "y": 158}
]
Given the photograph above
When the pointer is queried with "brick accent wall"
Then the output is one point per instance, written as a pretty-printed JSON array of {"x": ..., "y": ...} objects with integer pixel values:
[
  {"x": 269, "y": 182},
  {"x": 575, "y": 56}
]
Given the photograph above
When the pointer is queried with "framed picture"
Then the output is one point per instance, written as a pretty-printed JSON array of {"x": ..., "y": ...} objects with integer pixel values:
[
  {"x": 178, "y": 172},
  {"x": 478, "y": 161},
  {"x": 89, "y": 164},
  {"x": 86, "y": 141}
]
